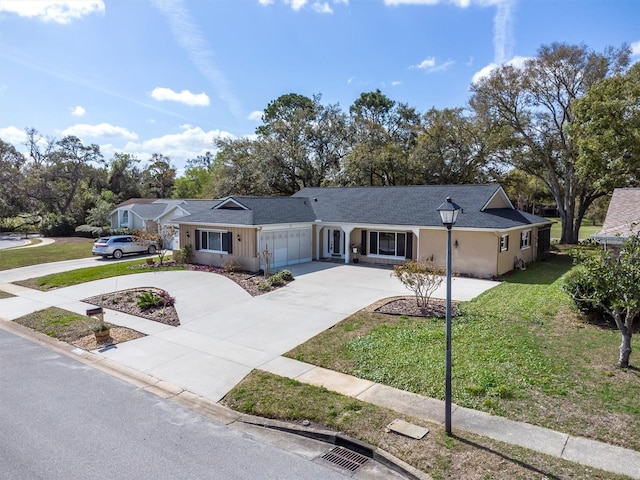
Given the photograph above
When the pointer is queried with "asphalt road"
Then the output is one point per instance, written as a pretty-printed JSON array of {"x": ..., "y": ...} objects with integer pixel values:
[{"x": 61, "y": 419}]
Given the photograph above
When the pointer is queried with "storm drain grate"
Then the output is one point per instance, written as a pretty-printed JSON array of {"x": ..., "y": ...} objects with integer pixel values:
[{"x": 345, "y": 458}]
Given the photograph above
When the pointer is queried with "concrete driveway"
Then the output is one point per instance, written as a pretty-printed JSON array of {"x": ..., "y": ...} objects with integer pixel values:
[{"x": 224, "y": 332}]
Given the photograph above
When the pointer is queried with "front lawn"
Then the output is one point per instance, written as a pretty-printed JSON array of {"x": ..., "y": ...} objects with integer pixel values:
[
  {"x": 63, "y": 249},
  {"x": 518, "y": 350},
  {"x": 89, "y": 274}
]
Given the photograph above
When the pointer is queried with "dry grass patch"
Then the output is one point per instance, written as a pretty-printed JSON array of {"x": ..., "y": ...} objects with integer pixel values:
[{"x": 73, "y": 328}]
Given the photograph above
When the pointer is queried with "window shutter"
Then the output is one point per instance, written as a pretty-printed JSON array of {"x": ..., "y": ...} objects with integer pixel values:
[
  {"x": 521, "y": 239},
  {"x": 227, "y": 242},
  {"x": 197, "y": 235},
  {"x": 506, "y": 243},
  {"x": 409, "y": 252},
  {"x": 373, "y": 242},
  {"x": 363, "y": 242}
]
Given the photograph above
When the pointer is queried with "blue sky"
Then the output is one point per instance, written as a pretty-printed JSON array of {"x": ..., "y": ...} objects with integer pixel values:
[{"x": 169, "y": 76}]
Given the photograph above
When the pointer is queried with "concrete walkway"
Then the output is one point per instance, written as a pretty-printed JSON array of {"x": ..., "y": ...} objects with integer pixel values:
[{"x": 225, "y": 333}]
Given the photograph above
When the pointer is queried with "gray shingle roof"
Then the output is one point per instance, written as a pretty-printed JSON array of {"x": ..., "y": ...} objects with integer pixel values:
[
  {"x": 259, "y": 211},
  {"x": 623, "y": 216},
  {"x": 148, "y": 211},
  {"x": 412, "y": 205}
]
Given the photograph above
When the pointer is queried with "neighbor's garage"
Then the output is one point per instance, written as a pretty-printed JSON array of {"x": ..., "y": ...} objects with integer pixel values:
[{"x": 288, "y": 247}]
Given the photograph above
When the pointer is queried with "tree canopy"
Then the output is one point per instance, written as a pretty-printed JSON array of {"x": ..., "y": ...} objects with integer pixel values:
[{"x": 530, "y": 113}]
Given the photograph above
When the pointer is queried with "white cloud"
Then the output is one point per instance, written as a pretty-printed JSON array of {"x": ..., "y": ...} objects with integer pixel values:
[
  {"x": 395, "y": 83},
  {"x": 14, "y": 135},
  {"x": 77, "y": 111},
  {"x": 429, "y": 65},
  {"x": 322, "y": 7},
  {"x": 317, "y": 6},
  {"x": 185, "y": 96},
  {"x": 59, "y": 11},
  {"x": 191, "y": 39},
  {"x": 635, "y": 49},
  {"x": 296, "y": 4},
  {"x": 255, "y": 116},
  {"x": 179, "y": 147},
  {"x": 83, "y": 130},
  {"x": 517, "y": 62}
]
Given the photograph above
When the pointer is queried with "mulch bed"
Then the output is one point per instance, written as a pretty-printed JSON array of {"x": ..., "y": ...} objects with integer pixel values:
[
  {"x": 126, "y": 301},
  {"x": 408, "y": 306}
]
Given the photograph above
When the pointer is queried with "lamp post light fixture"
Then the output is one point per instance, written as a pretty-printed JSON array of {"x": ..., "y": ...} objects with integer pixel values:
[{"x": 449, "y": 214}]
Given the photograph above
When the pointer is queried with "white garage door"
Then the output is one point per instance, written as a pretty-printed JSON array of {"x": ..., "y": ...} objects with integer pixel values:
[{"x": 287, "y": 247}]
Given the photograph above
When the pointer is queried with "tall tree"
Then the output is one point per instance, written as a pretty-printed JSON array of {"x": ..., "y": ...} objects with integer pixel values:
[
  {"x": 13, "y": 199},
  {"x": 61, "y": 173},
  {"x": 301, "y": 142},
  {"x": 159, "y": 177},
  {"x": 384, "y": 133},
  {"x": 530, "y": 110},
  {"x": 197, "y": 178},
  {"x": 125, "y": 176},
  {"x": 450, "y": 150},
  {"x": 607, "y": 132},
  {"x": 239, "y": 169}
]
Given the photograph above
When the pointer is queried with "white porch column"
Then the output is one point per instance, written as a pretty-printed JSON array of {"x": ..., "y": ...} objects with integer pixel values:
[
  {"x": 347, "y": 240},
  {"x": 318, "y": 241}
]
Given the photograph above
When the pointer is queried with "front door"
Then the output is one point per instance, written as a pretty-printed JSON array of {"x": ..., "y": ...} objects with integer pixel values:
[{"x": 335, "y": 243}]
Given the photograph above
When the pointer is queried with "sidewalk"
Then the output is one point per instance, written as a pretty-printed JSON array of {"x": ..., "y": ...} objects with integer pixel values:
[{"x": 223, "y": 338}]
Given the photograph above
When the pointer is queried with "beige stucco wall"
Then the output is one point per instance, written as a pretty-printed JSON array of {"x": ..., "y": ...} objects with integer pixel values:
[
  {"x": 244, "y": 253},
  {"x": 476, "y": 253}
]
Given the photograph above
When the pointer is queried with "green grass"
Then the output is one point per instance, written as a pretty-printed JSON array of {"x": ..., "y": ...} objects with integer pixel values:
[
  {"x": 518, "y": 351},
  {"x": 89, "y": 274},
  {"x": 587, "y": 228},
  {"x": 62, "y": 249}
]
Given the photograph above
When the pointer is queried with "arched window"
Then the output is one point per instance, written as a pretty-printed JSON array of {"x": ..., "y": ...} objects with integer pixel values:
[{"x": 125, "y": 219}]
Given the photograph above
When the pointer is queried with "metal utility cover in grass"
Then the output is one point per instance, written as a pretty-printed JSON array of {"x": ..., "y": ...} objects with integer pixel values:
[{"x": 407, "y": 429}]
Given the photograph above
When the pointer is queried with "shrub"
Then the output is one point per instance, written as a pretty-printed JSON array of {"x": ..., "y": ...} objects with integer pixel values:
[
  {"x": 275, "y": 280},
  {"x": 185, "y": 254},
  {"x": 422, "y": 278},
  {"x": 57, "y": 226},
  {"x": 232, "y": 266},
  {"x": 264, "y": 286},
  {"x": 286, "y": 275},
  {"x": 147, "y": 300}
]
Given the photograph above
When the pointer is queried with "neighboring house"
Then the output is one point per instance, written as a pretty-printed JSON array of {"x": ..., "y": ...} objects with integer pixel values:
[
  {"x": 151, "y": 214},
  {"x": 623, "y": 218},
  {"x": 386, "y": 225}
]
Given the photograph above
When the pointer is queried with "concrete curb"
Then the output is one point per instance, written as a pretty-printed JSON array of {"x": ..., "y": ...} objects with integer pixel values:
[{"x": 208, "y": 408}]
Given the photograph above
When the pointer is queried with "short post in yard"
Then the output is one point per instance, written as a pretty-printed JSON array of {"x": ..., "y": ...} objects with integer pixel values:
[{"x": 449, "y": 214}]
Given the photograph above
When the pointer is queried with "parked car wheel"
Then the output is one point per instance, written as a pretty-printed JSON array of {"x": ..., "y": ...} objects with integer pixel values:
[
  {"x": 151, "y": 249},
  {"x": 117, "y": 254}
]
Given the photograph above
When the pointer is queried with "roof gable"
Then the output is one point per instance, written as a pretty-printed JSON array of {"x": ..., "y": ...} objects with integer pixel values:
[{"x": 498, "y": 200}]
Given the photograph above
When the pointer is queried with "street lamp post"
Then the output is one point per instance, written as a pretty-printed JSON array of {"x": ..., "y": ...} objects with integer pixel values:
[{"x": 449, "y": 214}]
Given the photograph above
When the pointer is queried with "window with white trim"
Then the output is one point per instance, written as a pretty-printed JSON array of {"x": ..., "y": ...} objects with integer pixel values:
[
  {"x": 124, "y": 222},
  {"x": 388, "y": 244},
  {"x": 504, "y": 243},
  {"x": 525, "y": 239}
]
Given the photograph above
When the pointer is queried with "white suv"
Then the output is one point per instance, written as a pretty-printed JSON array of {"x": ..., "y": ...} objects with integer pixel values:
[{"x": 120, "y": 245}]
